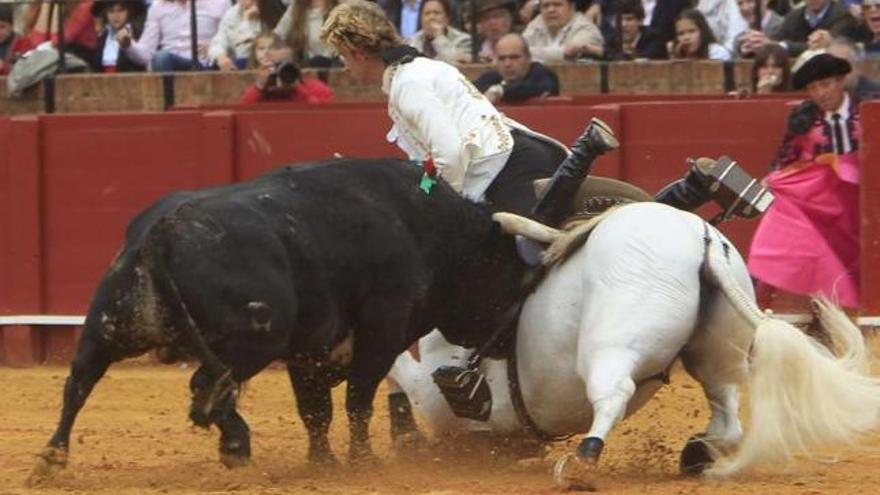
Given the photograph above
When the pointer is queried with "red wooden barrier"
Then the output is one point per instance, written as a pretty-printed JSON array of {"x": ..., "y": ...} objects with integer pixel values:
[
  {"x": 5, "y": 227},
  {"x": 78, "y": 179},
  {"x": 870, "y": 208},
  {"x": 99, "y": 170},
  {"x": 265, "y": 140}
]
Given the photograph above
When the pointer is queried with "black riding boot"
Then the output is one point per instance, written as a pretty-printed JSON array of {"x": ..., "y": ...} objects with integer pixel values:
[
  {"x": 688, "y": 193},
  {"x": 555, "y": 205}
]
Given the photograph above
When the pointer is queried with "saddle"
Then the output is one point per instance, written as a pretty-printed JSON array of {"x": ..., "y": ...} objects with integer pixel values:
[
  {"x": 597, "y": 194},
  {"x": 465, "y": 387}
]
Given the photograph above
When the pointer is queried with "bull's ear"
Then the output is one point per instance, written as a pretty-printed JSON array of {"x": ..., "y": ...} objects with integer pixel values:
[{"x": 526, "y": 227}]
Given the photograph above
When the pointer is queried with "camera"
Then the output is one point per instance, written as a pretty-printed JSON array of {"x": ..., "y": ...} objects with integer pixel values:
[{"x": 284, "y": 74}]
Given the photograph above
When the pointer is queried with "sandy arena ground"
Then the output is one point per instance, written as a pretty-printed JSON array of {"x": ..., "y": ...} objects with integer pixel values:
[{"x": 133, "y": 437}]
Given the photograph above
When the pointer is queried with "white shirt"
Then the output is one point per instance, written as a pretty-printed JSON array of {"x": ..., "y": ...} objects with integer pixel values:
[
  {"x": 648, "y": 5},
  {"x": 843, "y": 111},
  {"x": 438, "y": 113},
  {"x": 111, "y": 49}
]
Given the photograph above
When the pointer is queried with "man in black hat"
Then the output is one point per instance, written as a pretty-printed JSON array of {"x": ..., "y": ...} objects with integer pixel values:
[
  {"x": 810, "y": 244},
  {"x": 828, "y": 121}
]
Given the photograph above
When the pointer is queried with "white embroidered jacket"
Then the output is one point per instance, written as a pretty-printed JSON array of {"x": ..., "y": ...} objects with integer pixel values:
[{"x": 437, "y": 112}]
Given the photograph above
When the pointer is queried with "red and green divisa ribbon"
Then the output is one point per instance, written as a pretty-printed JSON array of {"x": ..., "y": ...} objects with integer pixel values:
[{"x": 429, "y": 175}]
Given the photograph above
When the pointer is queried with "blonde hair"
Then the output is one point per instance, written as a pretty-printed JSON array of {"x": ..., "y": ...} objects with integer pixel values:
[
  {"x": 358, "y": 25},
  {"x": 277, "y": 42}
]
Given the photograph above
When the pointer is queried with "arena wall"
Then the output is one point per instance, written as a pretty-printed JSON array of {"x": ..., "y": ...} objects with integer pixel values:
[{"x": 70, "y": 183}]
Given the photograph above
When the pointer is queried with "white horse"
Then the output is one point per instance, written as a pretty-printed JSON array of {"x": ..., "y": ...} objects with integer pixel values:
[{"x": 650, "y": 285}]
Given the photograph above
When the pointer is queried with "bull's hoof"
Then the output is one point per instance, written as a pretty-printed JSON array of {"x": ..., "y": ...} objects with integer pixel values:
[
  {"x": 232, "y": 460},
  {"x": 363, "y": 459},
  {"x": 574, "y": 473},
  {"x": 323, "y": 458},
  {"x": 695, "y": 457},
  {"x": 49, "y": 462}
]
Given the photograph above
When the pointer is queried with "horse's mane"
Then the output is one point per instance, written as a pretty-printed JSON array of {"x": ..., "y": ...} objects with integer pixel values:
[{"x": 575, "y": 235}]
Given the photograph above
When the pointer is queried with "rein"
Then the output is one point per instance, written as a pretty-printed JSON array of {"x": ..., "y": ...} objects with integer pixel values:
[{"x": 519, "y": 404}]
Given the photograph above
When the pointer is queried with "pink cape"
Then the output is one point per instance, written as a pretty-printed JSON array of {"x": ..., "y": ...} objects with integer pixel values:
[{"x": 808, "y": 240}]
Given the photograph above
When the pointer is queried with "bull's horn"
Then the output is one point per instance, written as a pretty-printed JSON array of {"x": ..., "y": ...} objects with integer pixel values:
[{"x": 517, "y": 225}]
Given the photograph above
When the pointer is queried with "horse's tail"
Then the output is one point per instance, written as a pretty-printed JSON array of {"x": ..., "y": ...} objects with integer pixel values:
[{"x": 802, "y": 396}]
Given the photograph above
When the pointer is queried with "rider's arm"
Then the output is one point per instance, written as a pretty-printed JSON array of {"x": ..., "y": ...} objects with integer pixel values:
[{"x": 423, "y": 112}]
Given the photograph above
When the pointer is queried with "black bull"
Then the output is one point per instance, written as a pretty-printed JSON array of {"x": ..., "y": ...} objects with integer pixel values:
[{"x": 334, "y": 268}]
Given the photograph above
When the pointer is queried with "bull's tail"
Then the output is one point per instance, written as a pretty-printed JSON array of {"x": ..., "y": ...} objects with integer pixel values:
[
  {"x": 188, "y": 334},
  {"x": 802, "y": 397}
]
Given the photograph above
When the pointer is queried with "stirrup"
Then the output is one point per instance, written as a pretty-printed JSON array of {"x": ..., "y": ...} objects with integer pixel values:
[{"x": 465, "y": 390}]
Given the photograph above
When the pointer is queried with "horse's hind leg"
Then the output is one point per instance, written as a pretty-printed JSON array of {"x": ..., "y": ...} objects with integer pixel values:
[
  {"x": 610, "y": 387},
  {"x": 716, "y": 357},
  {"x": 722, "y": 434}
]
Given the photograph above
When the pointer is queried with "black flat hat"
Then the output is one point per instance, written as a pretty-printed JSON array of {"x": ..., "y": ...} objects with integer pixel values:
[
  {"x": 136, "y": 8},
  {"x": 818, "y": 66}
]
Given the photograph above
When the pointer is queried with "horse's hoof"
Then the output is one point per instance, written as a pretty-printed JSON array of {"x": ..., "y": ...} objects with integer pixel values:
[
  {"x": 410, "y": 441},
  {"x": 695, "y": 457},
  {"x": 49, "y": 462},
  {"x": 573, "y": 473},
  {"x": 233, "y": 461}
]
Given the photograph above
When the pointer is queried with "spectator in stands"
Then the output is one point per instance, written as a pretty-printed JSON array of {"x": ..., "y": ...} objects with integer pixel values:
[
  {"x": 20, "y": 15},
  {"x": 771, "y": 21},
  {"x": 11, "y": 44},
  {"x": 871, "y": 18},
  {"x": 80, "y": 37},
  {"x": 660, "y": 16},
  {"x": 724, "y": 19},
  {"x": 118, "y": 16},
  {"x": 516, "y": 78},
  {"x": 771, "y": 72},
  {"x": 562, "y": 33},
  {"x": 694, "y": 39},
  {"x": 436, "y": 38},
  {"x": 808, "y": 241},
  {"x": 239, "y": 26},
  {"x": 300, "y": 27},
  {"x": 404, "y": 14},
  {"x": 859, "y": 86},
  {"x": 813, "y": 23},
  {"x": 631, "y": 40},
  {"x": 271, "y": 86},
  {"x": 747, "y": 42},
  {"x": 494, "y": 20},
  {"x": 165, "y": 43}
]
